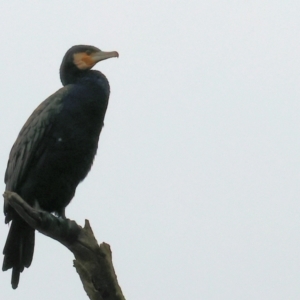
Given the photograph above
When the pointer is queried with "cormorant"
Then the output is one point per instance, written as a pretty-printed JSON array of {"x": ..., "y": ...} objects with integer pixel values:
[{"x": 55, "y": 149}]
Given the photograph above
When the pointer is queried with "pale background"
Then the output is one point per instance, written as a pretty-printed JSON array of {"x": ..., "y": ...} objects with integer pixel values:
[{"x": 196, "y": 181}]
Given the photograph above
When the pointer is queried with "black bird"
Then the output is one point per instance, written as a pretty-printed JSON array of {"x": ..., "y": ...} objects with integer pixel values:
[{"x": 55, "y": 149}]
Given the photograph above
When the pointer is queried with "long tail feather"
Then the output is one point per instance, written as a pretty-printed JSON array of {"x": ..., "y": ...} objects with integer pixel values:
[{"x": 18, "y": 249}]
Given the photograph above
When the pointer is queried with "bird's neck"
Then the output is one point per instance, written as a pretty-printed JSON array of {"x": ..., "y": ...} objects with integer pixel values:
[
  {"x": 90, "y": 78},
  {"x": 69, "y": 74}
]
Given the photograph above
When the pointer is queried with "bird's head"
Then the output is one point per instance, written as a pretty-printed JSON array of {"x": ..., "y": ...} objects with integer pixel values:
[
  {"x": 85, "y": 57},
  {"x": 79, "y": 59}
]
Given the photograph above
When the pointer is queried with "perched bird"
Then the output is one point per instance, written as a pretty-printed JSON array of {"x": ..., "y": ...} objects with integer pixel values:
[{"x": 55, "y": 149}]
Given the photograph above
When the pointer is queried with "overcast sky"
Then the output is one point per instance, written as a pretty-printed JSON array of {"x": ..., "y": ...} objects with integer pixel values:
[{"x": 196, "y": 182}]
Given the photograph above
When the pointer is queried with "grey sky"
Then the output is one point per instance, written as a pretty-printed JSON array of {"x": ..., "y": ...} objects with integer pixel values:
[{"x": 196, "y": 181}]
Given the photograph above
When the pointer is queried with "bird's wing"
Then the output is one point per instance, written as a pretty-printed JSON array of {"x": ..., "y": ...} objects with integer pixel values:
[{"x": 26, "y": 147}]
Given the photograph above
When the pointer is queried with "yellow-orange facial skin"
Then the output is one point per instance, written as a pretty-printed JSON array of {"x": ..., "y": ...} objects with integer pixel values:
[{"x": 85, "y": 61}]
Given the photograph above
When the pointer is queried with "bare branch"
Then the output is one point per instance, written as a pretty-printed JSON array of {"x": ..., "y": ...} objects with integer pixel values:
[{"x": 93, "y": 263}]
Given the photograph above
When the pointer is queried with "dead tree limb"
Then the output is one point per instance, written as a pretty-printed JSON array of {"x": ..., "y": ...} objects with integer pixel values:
[{"x": 93, "y": 262}]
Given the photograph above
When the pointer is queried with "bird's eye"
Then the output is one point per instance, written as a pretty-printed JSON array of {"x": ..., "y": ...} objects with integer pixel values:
[{"x": 88, "y": 52}]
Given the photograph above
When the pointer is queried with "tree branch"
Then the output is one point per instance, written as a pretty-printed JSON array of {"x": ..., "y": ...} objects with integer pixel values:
[{"x": 93, "y": 262}]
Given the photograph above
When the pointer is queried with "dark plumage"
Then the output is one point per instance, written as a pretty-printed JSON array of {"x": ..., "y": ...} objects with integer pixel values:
[{"x": 55, "y": 149}]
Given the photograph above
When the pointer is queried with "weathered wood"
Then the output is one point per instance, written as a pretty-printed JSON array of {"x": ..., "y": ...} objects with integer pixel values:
[{"x": 93, "y": 262}]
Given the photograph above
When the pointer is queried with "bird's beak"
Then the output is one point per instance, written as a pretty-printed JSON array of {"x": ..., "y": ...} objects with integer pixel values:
[{"x": 102, "y": 55}]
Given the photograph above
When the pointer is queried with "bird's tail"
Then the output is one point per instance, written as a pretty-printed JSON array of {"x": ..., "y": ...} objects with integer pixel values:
[{"x": 18, "y": 249}]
